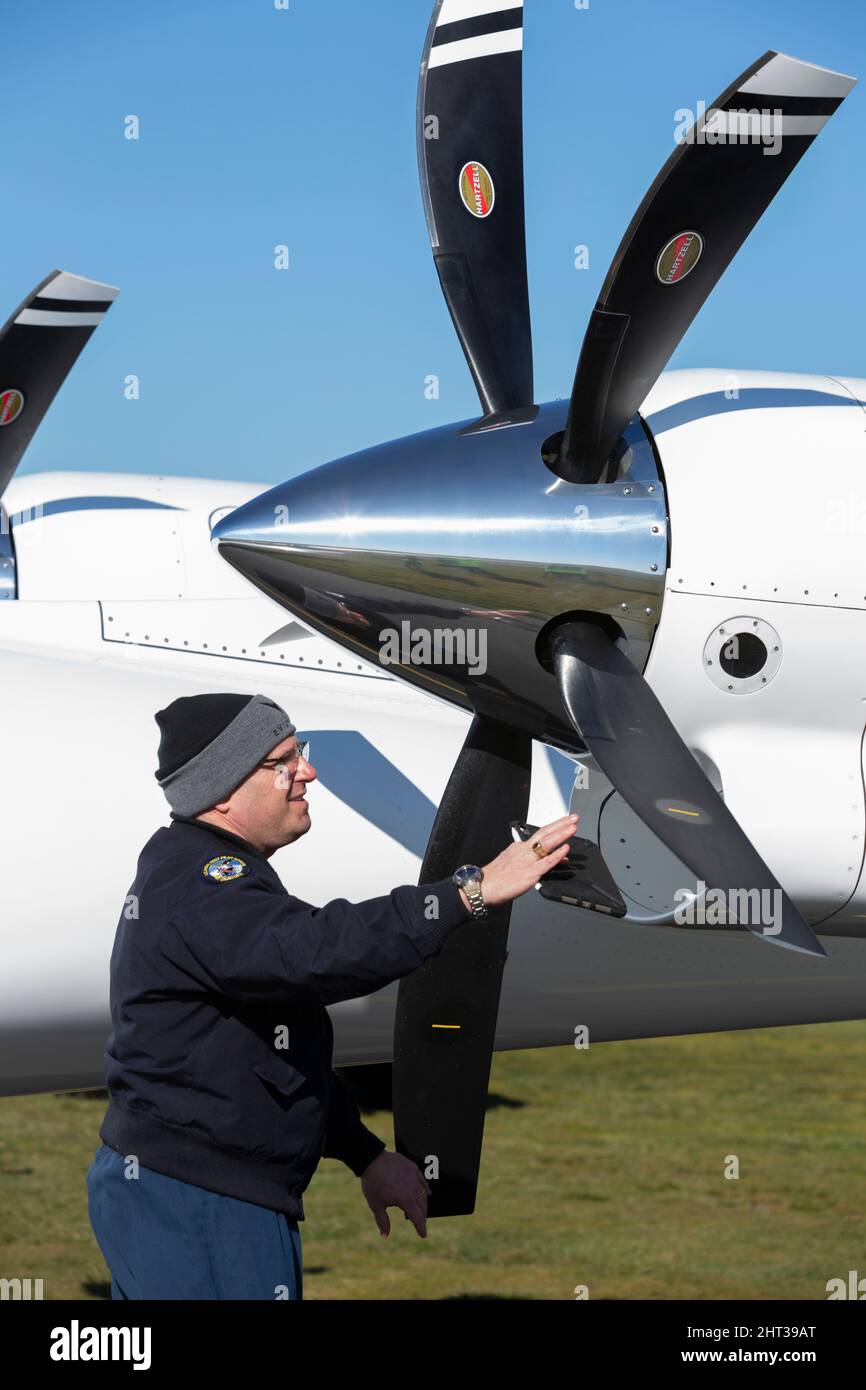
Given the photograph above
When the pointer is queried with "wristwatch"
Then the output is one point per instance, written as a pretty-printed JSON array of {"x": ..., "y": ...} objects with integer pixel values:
[{"x": 469, "y": 879}]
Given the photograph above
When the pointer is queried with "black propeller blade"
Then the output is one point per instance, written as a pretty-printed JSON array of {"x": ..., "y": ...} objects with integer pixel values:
[
  {"x": 693, "y": 220},
  {"x": 470, "y": 158},
  {"x": 38, "y": 346},
  {"x": 445, "y": 1022},
  {"x": 640, "y": 752}
]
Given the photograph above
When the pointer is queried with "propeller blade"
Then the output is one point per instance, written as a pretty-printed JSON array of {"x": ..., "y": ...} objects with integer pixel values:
[
  {"x": 445, "y": 1022},
  {"x": 470, "y": 159},
  {"x": 693, "y": 220},
  {"x": 39, "y": 345},
  {"x": 638, "y": 749}
]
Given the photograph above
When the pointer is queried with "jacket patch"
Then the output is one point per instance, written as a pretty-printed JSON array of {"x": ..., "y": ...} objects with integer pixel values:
[{"x": 224, "y": 868}]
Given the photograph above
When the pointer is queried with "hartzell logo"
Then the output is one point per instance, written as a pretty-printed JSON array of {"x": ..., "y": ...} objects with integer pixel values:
[
  {"x": 476, "y": 189},
  {"x": 11, "y": 405},
  {"x": 679, "y": 257}
]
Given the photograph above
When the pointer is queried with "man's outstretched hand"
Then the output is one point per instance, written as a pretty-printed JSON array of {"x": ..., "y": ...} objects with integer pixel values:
[{"x": 392, "y": 1180}]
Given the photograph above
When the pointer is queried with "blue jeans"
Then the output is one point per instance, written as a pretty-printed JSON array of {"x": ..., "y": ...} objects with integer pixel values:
[{"x": 163, "y": 1238}]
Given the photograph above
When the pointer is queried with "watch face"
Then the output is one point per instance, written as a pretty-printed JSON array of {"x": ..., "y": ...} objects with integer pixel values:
[{"x": 467, "y": 874}]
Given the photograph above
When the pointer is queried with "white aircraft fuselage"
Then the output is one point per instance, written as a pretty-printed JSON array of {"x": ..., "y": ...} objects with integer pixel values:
[{"x": 119, "y": 603}]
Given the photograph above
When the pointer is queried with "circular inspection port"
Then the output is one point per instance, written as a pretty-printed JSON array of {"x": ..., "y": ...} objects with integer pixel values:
[{"x": 742, "y": 655}]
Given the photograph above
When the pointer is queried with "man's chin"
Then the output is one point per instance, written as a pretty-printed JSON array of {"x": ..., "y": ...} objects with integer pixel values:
[{"x": 299, "y": 824}]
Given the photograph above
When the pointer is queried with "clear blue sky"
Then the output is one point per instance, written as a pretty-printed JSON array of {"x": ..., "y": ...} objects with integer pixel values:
[{"x": 261, "y": 126}]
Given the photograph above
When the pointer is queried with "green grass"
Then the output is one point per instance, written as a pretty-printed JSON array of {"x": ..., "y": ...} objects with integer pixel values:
[{"x": 602, "y": 1167}]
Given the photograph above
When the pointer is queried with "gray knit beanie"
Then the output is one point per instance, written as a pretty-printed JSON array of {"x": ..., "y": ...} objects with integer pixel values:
[{"x": 211, "y": 743}]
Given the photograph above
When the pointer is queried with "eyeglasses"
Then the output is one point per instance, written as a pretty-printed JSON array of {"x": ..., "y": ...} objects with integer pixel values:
[{"x": 286, "y": 767}]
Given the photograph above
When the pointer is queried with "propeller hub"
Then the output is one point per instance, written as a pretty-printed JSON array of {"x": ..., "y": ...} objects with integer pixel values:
[{"x": 443, "y": 556}]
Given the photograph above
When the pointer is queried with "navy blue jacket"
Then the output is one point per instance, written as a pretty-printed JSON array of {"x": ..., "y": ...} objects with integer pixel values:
[{"x": 219, "y": 1063}]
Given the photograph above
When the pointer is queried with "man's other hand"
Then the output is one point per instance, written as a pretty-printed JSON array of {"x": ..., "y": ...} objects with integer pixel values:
[{"x": 392, "y": 1180}]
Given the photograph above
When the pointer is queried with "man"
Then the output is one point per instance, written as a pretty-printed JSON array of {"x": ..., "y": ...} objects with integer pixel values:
[{"x": 222, "y": 1094}]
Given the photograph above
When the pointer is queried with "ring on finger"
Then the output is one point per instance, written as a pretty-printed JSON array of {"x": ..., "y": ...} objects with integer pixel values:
[{"x": 540, "y": 851}]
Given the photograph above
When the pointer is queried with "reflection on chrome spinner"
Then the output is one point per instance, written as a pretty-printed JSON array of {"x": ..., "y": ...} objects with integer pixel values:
[{"x": 467, "y": 532}]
